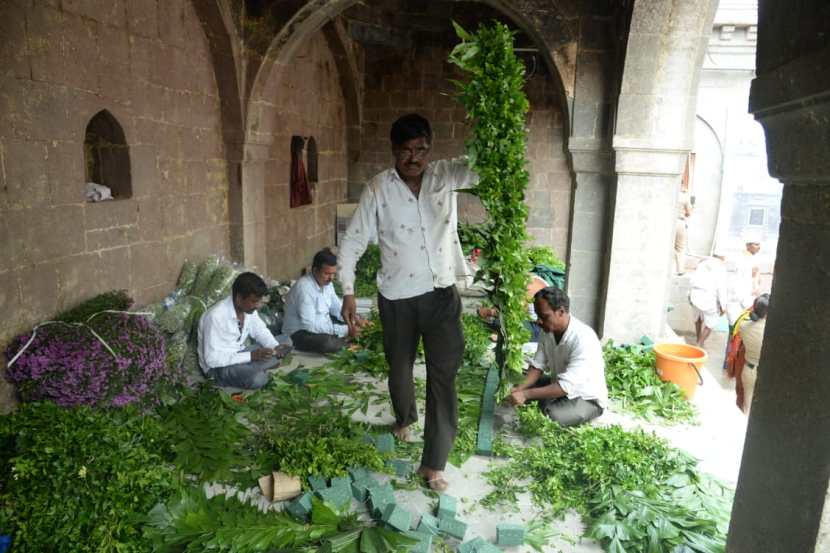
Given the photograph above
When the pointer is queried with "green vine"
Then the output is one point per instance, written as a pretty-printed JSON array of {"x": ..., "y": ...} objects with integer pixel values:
[{"x": 495, "y": 102}]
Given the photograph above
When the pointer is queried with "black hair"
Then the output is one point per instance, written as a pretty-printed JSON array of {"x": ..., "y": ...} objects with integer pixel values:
[
  {"x": 249, "y": 284},
  {"x": 408, "y": 127},
  {"x": 324, "y": 257},
  {"x": 556, "y": 298},
  {"x": 760, "y": 307}
]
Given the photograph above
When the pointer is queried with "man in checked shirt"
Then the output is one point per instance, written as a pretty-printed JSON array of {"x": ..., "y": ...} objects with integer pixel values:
[{"x": 411, "y": 209}]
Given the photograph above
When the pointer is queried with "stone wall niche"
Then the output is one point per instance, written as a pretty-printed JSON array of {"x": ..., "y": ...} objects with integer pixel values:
[{"x": 107, "y": 156}]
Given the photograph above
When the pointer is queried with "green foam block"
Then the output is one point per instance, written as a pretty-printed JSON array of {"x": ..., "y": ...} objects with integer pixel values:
[
  {"x": 447, "y": 506},
  {"x": 360, "y": 489},
  {"x": 401, "y": 467},
  {"x": 424, "y": 544},
  {"x": 358, "y": 473},
  {"x": 342, "y": 483},
  {"x": 336, "y": 496},
  {"x": 397, "y": 517},
  {"x": 385, "y": 443},
  {"x": 317, "y": 482},
  {"x": 488, "y": 547},
  {"x": 380, "y": 497},
  {"x": 510, "y": 534},
  {"x": 452, "y": 527},
  {"x": 471, "y": 546},
  {"x": 428, "y": 524},
  {"x": 300, "y": 508}
]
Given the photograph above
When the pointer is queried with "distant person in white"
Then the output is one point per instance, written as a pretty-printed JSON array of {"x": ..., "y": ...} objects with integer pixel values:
[
  {"x": 708, "y": 294},
  {"x": 224, "y": 330},
  {"x": 574, "y": 392},
  {"x": 312, "y": 309}
]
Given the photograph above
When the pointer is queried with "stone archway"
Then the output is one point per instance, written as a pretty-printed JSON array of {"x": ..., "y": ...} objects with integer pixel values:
[
  {"x": 224, "y": 42},
  {"x": 653, "y": 134},
  {"x": 314, "y": 16}
]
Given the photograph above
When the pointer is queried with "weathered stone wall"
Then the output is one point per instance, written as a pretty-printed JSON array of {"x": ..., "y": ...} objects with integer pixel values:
[
  {"x": 425, "y": 88},
  {"x": 309, "y": 103},
  {"x": 148, "y": 64}
]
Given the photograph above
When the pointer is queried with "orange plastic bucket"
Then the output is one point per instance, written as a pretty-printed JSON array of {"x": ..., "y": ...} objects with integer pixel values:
[{"x": 681, "y": 364}]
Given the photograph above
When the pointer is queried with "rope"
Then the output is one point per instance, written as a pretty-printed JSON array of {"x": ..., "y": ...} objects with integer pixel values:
[{"x": 97, "y": 336}]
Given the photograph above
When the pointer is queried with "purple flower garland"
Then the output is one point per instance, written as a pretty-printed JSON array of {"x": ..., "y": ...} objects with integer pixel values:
[{"x": 69, "y": 365}]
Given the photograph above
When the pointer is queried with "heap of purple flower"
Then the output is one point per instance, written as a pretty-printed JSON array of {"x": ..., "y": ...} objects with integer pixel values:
[{"x": 68, "y": 364}]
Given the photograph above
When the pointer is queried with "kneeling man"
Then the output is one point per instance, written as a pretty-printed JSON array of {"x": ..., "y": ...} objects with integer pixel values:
[
  {"x": 569, "y": 350},
  {"x": 312, "y": 309},
  {"x": 225, "y": 328}
]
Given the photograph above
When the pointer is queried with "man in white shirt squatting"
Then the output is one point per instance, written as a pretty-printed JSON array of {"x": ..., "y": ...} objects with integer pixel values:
[
  {"x": 224, "y": 330},
  {"x": 574, "y": 392},
  {"x": 411, "y": 209},
  {"x": 312, "y": 309}
]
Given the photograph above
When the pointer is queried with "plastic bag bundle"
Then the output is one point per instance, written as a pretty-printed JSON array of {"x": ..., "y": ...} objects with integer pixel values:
[
  {"x": 177, "y": 348},
  {"x": 187, "y": 278},
  {"x": 204, "y": 276},
  {"x": 220, "y": 283},
  {"x": 177, "y": 318}
]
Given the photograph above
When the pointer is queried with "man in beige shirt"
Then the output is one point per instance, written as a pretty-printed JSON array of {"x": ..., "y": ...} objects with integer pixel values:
[{"x": 752, "y": 336}]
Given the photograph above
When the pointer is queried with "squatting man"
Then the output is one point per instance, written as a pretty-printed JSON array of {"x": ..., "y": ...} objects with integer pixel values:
[{"x": 574, "y": 390}]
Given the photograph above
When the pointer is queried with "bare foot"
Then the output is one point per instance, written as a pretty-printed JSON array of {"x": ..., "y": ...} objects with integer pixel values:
[
  {"x": 402, "y": 433},
  {"x": 434, "y": 478}
]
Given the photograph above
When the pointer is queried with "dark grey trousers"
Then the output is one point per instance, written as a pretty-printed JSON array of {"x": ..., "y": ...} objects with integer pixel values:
[
  {"x": 249, "y": 376},
  {"x": 565, "y": 411},
  {"x": 435, "y": 316},
  {"x": 317, "y": 343}
]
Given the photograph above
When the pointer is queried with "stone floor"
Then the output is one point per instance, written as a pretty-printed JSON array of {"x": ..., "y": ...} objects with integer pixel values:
[{"x": 717, "y": 442}]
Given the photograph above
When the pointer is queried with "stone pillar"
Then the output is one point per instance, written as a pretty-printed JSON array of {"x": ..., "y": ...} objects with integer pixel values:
[
  {"x": 783, "y": 483},
  {"x": 590, "y": 213},
  {"x": 252, "y": 205},
  {"x": 642, "y": 234}
]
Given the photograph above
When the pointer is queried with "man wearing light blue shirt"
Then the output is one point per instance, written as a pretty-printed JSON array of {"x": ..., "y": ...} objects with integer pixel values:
[{"x": 312, "y": 309}]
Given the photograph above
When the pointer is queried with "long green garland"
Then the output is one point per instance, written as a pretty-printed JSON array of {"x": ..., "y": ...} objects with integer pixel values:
[{"x": 495, "y": 102}]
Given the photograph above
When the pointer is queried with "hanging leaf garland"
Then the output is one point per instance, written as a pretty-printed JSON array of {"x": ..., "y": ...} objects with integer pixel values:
[{"x": 495, "y": 102}]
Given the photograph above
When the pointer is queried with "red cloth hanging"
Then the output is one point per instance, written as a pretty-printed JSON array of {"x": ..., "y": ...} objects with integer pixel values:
[{"x": 300, "y": 188}]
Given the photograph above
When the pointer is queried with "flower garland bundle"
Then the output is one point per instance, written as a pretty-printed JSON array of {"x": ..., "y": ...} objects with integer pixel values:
[{"x": 114, "y": 359}]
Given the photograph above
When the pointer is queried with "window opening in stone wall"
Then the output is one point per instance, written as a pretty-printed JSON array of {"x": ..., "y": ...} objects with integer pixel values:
[
  {"x": 107, "y": 159},
  {"x": 300, "y": 187},
  {"x": 757, "y": 216},
  {"x": 311, "y": 160}
]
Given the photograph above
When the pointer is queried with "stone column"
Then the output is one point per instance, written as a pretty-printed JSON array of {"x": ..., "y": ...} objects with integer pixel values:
[
  {"x": 642, "y": 234},
  {"x": 782, "y": 487},
  {"x": 590, "y": 212}
]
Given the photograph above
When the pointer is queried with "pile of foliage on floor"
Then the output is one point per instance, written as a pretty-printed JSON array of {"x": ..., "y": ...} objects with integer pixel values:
[
  {"x": 95, "y": 354},
  {"x": 635, "y": 492},
  {"x": 84, "y": 479},
  {"x": 634, "y": 386},
  {"x": 77, "y": 479}
]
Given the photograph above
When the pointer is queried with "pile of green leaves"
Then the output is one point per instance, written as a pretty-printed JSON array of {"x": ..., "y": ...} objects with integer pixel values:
[
  {"x": 208, "y": 440},
  {"x": 635, "y": 491},
  {"x": 194, "y": 523},
  {"x": 74, "y": 479},
  {"x": 496, "y": 104},
  {"x": 115, "y": 300},
  {"x": 366, "y": 271},
  {"x": 307, "y": 431},
  {"x": 634, "y": 385},
  {"x": 472, "y": 236},
  {"x": 543, "y": 255}
]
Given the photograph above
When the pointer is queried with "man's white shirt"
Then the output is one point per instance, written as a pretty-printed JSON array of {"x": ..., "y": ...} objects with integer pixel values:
[
  {"x": 310, "y": 307},
  {"x": 418, "y": 236},
  {"x": 221, "y": 341},
  {"x": 576, "y": 362}
]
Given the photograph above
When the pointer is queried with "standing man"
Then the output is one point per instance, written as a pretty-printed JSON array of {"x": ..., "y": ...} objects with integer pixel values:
[
  {"x": 681, "y": 228},
  {"x": 412, "y": 211},
  {"x": 225, "y": 328},
  {"x": 312, "y": 309},
  {"x": 745, "y": 280}
]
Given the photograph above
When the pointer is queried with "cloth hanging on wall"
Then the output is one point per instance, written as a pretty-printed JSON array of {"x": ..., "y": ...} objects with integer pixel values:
[{"x": 300, "y": 188}]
